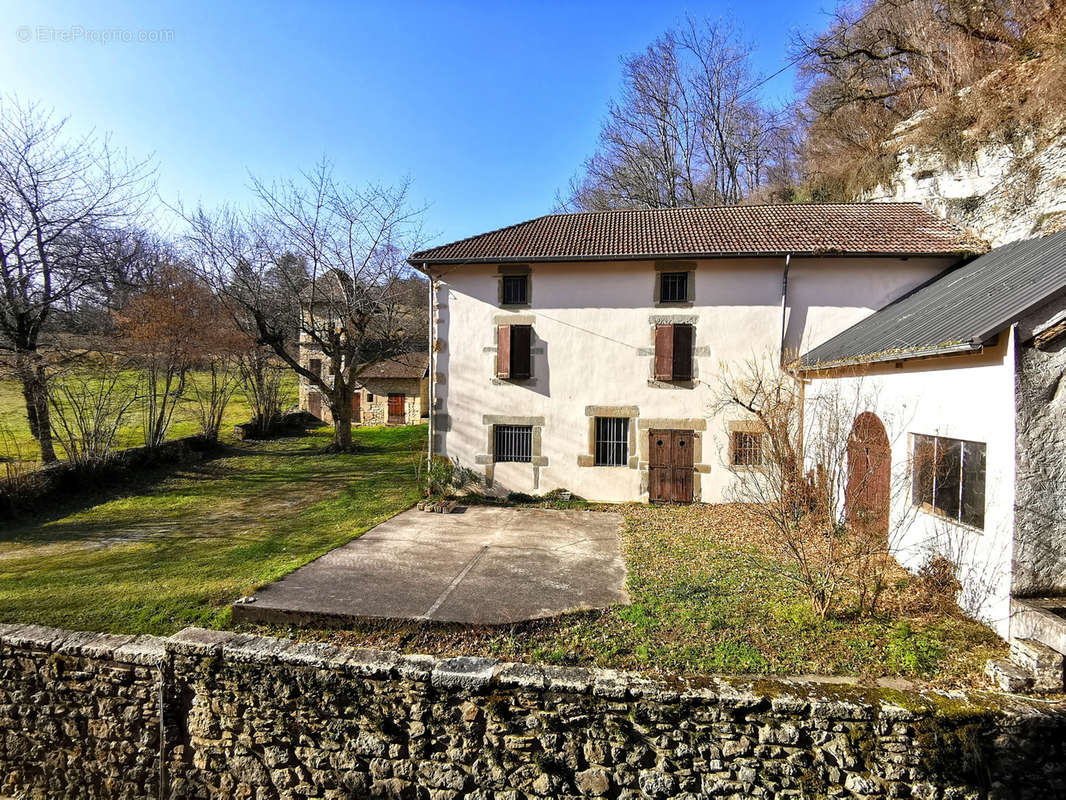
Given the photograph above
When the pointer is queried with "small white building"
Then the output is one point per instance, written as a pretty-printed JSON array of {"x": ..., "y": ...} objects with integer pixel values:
[
  {"x": 965, "y": 376},
  {"x": 579, "y": 351}
]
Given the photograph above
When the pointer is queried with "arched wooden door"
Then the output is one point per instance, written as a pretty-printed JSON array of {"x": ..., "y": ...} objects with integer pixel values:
[{"x": 866, "y": 498}]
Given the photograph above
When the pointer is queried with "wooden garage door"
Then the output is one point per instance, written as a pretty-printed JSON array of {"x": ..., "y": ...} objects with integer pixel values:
[
  {"x": 396, "y": 415},
  {"x": 670, "y": 466}
]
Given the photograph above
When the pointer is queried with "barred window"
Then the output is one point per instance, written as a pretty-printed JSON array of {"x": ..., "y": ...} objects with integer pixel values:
[
  {"x": 748, "y": 449},
  {"x": 515, "y": 290},
  {"x": 673, "y": 287},
  {"x": 513, "y": 443},
  {"x": 948, "y": 478},
  {"x": 612, "y": 441}
]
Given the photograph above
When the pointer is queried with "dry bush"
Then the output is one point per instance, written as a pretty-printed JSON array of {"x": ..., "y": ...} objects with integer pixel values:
[
  {"x": 934, "y": 590},
  {"x": 261, "y": 377},
  {"x": 799, "y": 492},
  {"x": 89, "y": 404},
  {"x": 16, "y": 463}
]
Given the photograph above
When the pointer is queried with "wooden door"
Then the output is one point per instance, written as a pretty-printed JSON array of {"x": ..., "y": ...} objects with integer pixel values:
[
  {"x": 357, "y": 407},
  {"x": 396, "y": 409},
  {"x": 670, "y": 466},
  {"x": 314, "y": 404},
  {"x": 867, "y": 495}
]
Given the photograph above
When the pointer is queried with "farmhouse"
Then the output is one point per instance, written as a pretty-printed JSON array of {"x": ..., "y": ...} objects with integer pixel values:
[{"x": 579, "y": 351}]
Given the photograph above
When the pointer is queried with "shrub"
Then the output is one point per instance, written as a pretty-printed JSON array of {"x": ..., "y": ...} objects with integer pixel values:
[
  {"x": 934, "y": 589},
  {"x": 445, "y": 476}
]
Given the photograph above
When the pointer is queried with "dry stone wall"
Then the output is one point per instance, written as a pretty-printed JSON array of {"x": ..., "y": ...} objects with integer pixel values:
[{"x": 251, "y": 717}]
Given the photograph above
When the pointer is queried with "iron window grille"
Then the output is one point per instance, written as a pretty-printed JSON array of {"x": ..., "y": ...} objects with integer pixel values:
[
  {"x": 612, "y": 441},
  {"x": 948, "y": 478},
  {"x": 673, "y": 287},
  {"x": 515, "y": 290},
  {"x": 748, "y": 449},
  {"x": 513, "y": 443}
]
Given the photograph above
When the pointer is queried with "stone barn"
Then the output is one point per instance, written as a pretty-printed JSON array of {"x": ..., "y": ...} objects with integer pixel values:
[{"x": 394, "y": 391}]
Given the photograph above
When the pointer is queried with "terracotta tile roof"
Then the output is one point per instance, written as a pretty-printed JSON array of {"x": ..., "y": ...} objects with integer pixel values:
[
  {"x": 410, "y": 365},
  {"x": 708, "y": 232}
]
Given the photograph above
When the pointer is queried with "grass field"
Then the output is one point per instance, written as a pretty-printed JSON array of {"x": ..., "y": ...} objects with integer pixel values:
[
  {"x": 176, "y": 548},
  {"x": 20, "y": 444}
]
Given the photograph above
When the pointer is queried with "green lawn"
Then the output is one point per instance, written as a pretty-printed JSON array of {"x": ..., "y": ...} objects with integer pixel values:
[
  {"x": 177, "y": 548},
  {"x": 21, "y": 444}
]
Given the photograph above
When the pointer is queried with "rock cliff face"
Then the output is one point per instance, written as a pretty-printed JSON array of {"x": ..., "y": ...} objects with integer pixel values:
[{"x": 1002, "y": 193}]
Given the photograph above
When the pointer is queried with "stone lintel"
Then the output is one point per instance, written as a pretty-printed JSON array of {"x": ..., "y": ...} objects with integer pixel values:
[
  {"x": 506, "y": 419},
  {"x": 612, "y": 411},
  {"x": 692, "y": 423}
]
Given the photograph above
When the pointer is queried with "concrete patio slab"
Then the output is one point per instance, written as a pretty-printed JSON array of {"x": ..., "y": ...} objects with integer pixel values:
[{"x": 484, "y": 566}]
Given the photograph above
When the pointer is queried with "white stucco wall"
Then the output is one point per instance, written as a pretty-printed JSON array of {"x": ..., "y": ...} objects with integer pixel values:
[
  {"x": 593, "y": 329},
  {"x": 964, "y": 397}
]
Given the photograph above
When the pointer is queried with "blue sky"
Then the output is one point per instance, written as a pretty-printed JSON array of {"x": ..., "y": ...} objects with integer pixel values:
[{"x": 488, "y": 107}]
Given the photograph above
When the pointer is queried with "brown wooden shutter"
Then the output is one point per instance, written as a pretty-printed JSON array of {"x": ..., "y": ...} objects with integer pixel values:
[
  {"x": 521, "y": 351},
  {"x": 503, "y": 351},
  {"x": 682, "y": 355},
  {"x": 664, "y": 352}
]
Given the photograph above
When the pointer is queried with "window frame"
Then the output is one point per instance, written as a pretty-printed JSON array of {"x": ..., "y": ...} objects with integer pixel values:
[
  {"x": 667, "y": 335},
  {"x": 511, "y": 280},
  {"x": 678, "y": 276},
  {"x": 963, "y": 510},
  {"x": 759, "y": 438},
  {"x": 516, "y": 452},
  {"x": 513, "y": 363},
  {"x": 610, "y": 448}
]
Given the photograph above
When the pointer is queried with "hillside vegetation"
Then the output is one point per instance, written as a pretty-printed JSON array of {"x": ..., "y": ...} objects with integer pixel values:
[{"x": 989, "y": 72}]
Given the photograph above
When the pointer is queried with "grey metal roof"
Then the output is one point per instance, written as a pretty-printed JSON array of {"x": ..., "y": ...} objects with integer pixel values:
[{"x": 957, "y": 311}]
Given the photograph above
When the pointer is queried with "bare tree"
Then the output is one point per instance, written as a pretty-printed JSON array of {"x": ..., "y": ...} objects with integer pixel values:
[
  {"x": 320, "y": 263},
  {"x": 172, "y": 327},
  {"x": 797, "y": 478},
  {"x": 686, "y": 129},
  {"x": 90, "y": 402},
  {"x": 261, "y": 376},
  {"x": 58, "y": 196}
]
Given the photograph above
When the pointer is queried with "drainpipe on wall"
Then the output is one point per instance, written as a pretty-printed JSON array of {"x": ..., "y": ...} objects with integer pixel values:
[
  {"x": 784, "y": 307},
  {"x": 796, "y": 376},
  {"x": 432, "y": 373}
]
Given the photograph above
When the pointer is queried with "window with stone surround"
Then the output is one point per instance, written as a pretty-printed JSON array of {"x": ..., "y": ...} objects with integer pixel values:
[
  {"x": 513, "y": 443},
  {"x": 612, "y": 442},
  {"x": 673, "y": 287}
]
